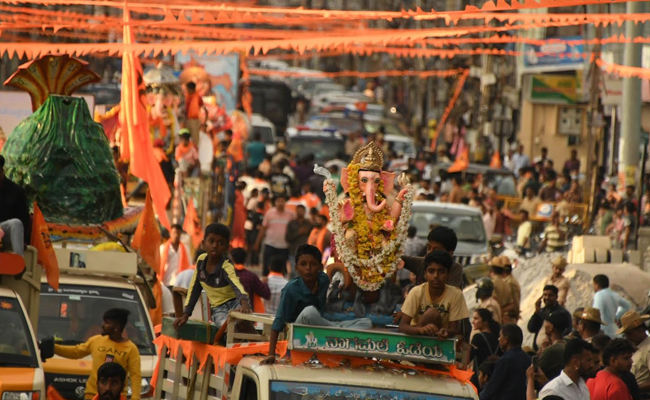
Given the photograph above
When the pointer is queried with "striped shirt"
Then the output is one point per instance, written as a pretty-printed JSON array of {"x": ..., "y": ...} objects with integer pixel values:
[
  {"x": 276, "y": 223},
  {"x": 221, "y": 286},
  {"x": 276, "y": 283}
]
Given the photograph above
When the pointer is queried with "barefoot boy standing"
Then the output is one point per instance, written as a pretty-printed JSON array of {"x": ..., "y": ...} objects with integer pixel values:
[{"x": 215, "y": 273}]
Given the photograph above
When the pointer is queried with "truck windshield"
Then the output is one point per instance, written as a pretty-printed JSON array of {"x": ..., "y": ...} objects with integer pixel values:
[
  {"x": 74, "y": 314},
  {"x": 468, "y": 228},
  {"x": 323, "y": 149},
  {"x": 16, "y": 344},
  {"x": 284, "y": 390},
  {"x": 265, "y": 133}
]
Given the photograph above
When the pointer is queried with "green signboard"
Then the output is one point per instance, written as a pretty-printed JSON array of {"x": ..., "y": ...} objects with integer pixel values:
[
  {"x": 371, "y": 344},
  {"x": 554, "y": 89}
]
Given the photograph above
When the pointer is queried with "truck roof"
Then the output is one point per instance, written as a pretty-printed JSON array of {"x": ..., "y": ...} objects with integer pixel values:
[
  {"x": 433, "y": 206},
  {"x": 394, "y": 378},
  {"x": 93, "y": 280},
  {"x": 4, "y": 292}
]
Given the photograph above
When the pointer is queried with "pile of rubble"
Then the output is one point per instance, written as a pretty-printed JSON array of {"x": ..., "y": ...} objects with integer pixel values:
[{"x": 628, "y": 280}]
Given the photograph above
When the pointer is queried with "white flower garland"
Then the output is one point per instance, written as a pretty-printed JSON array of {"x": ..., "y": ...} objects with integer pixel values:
[{"x": 349, "y": 256}]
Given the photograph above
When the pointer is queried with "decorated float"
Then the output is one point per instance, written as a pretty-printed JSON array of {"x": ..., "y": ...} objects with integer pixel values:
[
  {"x": 61, "y": 157},
  {"x": 368, "y": 236}
]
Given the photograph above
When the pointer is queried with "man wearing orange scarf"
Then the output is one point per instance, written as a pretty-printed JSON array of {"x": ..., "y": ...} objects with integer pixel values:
[
  {"x": 320, "y": 236},
  {"x": 174, "y": 257}
]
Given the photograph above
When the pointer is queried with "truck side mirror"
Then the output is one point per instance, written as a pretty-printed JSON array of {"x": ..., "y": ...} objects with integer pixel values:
[{"x": 47, "y": 348}]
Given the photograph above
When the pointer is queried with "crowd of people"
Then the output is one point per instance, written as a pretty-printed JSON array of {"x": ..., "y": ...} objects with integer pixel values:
[{"x": 599, "y": 351}]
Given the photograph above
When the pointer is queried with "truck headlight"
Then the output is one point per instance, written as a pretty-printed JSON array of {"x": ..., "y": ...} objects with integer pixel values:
[
  {"x": 480, "y": 258},
  {"x": 144, "y": 387},
  {"x": 21, "y": 395}
]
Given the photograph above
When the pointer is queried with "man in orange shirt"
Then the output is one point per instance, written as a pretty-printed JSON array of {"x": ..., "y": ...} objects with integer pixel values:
[
  {"x": 193, "y": 105},
  {"x": 320, "y": 236},
  {"x": 187, "y": 155}
]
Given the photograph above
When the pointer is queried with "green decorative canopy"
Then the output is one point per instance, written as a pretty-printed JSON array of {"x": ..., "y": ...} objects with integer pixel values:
[{"x": 62, "y": 159}]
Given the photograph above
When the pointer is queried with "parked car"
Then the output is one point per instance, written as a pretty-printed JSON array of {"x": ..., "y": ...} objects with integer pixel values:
[
  {"x": 266, "y": 129},
  {"x": 324, "y": 145},
  {"x": 401, "y": 145},
  {"x": 502, "y": 180},
  {"x": 473, "y": 245},
  {"x": 321, "y": 101}
]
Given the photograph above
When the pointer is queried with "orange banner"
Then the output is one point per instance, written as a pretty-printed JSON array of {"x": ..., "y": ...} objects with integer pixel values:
[
  {"x": 147, "y": 236},
  {"x": 450, "y": 106},
  {"x": 135, "y": 126},
  {"x": 41, "y": 240}
]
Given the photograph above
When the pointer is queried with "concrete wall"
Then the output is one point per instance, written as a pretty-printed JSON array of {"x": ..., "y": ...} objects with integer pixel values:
[{"x": 539, "y": 128}]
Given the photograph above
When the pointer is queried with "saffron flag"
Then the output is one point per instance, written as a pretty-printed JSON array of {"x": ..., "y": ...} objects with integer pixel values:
[
  {"x": 462, "y": 161},
  {"x": 496, "y": 160},
  {"x": 46, "y": 256},
  {"x": 147, "y": 236},
  {"x": 134, "y": 124},
  {"x": 192, "y": 224}
]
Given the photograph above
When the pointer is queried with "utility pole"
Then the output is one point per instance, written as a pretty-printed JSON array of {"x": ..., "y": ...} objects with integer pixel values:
[
  {"x": 593, "y": 121},
  {"x": 631, "y": 108}
]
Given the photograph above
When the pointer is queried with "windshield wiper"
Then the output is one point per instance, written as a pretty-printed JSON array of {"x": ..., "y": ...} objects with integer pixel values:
[
  {"x": 15, "y": 360},
  {"x": 472, "y": 240},
  {"x": 68, "y": 342}
]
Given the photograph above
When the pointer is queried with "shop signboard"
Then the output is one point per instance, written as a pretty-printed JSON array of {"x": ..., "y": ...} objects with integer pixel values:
[
  {"x": 556, "y": 54},
  {"x": 554, "y": 89}
]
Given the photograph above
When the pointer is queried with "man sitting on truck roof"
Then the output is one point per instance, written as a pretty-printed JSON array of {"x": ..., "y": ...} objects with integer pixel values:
[
  {"x": 440, "y": 238},
  {"x": 434, "y": 308},
  {"x": 215, "y": 273},
  {"x": 303, "y": 298},
  {"x": 14, "y": 214}
]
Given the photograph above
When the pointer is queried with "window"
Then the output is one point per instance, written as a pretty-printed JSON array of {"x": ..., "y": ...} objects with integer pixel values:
[
  {"x": 284, "y": 390},
  {"x": 16, "y": 344},
  {"x": 468, "y": 228},
  {"x": 74, "y": 313},
  {"x": 248, "y": 388}
]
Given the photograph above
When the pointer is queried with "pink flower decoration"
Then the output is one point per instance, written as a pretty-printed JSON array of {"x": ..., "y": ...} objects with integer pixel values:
[
  {"x": 348, "y": 211},
  {"x": 388, "y": 225}
]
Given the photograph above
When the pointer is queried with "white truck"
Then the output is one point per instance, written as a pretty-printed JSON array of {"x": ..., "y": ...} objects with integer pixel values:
[
  {"x": 90, "y": 283},
  {"x": 21, "y": 361},
  {"x": 342, "y": 364}
]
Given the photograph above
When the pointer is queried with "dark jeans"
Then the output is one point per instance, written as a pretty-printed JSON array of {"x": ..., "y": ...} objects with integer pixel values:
[{"x": 270, "y": 251}]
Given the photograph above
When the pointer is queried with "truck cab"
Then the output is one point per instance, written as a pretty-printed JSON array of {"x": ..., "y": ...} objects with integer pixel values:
[
  {"x": 90, "y": 283},
  {"x": 21, "y": 367}
]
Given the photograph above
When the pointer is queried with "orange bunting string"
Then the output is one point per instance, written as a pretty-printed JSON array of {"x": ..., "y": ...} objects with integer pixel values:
[
  {"x": 233, "y": 13},
  {"x": 624, "y": 71},
  {"x": 357, "y": 74}
]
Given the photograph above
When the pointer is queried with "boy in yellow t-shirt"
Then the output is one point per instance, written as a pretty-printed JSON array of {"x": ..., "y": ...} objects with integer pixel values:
[
  {"x": 110, "y": 346},
  {"x": 434, "y": 308}
]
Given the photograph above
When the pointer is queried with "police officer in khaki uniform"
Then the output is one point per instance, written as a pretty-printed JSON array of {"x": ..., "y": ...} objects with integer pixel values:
[
  {"x": 502, "y": 291},
  {"x": 511, "y": 315}
]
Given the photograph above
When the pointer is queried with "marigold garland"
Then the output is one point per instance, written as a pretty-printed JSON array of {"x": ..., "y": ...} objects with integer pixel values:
[{"x": 368, "y": 270}]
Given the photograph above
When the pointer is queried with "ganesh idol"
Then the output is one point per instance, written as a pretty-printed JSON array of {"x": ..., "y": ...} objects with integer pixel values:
[{"x": 368, "y": 232}]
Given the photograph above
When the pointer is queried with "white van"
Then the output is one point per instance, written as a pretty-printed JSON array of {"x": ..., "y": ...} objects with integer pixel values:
[
  {"x": 90, "y": 283},
  {"x": 266, "y": 129}
]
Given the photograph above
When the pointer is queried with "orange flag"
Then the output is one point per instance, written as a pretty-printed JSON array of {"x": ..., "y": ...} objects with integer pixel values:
[
  {"x": 192, "y": 224},
  {"x": 147, "y": 237},
  {"x": 496, "y": 160},
  {"x": 134, "y": 123},
  {"x": 46, "y": 256},
  {"x": 462, "y": 161}
]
